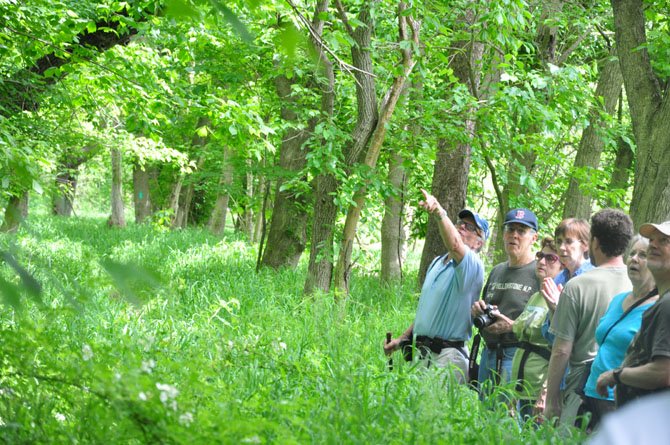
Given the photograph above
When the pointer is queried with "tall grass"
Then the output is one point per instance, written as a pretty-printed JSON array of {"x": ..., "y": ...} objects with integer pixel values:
[{"x": 216, "y": 353}]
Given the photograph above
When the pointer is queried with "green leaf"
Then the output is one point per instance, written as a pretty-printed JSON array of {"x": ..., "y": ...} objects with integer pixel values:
[
  {"x": 37, "y": 187},
  {"x": 180, "y": 9},
  {"x": 29, "y": 283},
  {"x": 134, "y": 282},
  {"x": 234, "y": 21}
]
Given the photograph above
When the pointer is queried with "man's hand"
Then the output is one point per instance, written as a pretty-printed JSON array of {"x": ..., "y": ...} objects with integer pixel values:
[
  {"x": 501, "y": 325},
  {"x": 392, "y": 345},
  {"x": 478, "y": 308},
  {"x": 429, "y": 203},
  {"x": 605, "y": 380},
  {"x": 551, "y": 292}
]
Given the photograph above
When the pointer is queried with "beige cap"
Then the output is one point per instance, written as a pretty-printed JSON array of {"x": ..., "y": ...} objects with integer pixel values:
[{"x": 647, "y": 230}]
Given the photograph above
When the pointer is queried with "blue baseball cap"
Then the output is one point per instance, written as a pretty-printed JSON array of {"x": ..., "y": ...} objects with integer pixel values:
[
  {"x": 480, "y": 222},
  {"x": 521, "y": 216}
]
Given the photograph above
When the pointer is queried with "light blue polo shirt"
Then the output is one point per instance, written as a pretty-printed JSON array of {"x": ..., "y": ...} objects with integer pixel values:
[{"x": 448, "y": 293}]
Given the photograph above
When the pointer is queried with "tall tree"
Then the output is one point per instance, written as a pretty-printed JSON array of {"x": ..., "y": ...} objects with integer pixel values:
[
  {"x": 591, "y": 145},
  {"x": 287, "y": 235},
  {"x": 452, "y": 163},
  {"x": 408, "y": 30},
  {"x": 650, "y": 113}
]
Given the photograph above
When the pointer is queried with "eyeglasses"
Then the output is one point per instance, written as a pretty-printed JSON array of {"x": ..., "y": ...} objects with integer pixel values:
[
  {"x": 520, "y": 229},
  {"x": 550, "y": 258},
  {"x": 468, "y": 226}
]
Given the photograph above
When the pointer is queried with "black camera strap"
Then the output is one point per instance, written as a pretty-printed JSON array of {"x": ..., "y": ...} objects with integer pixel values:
[{"x": 473, "y": 367}]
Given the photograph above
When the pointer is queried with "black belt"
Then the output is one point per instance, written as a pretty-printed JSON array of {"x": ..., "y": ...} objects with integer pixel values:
[
  {"x": 494, "y": 346},
  {"x": 529, "y": 348},
  {"x": 437, "y": 344}
]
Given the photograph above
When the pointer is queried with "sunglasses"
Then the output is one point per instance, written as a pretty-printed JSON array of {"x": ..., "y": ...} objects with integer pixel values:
[
  {"x": 550, "y": 258},
  {"x": 468, "y": 226}
]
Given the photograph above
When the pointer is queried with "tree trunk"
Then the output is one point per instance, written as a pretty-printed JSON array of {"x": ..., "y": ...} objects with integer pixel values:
[
  {"x": 324, "y": 186},
  {"x": 141, "y": 195},
  {"x": 15, "y": 213},
  {"x": 408, "y": 31},
  {"x": 393, "y": 229},
  {"x": 186, "y": 200},
  {"x": 63, "y": 199},
  {"x": 650, "y": 114},
  {"x": 621, "y": 174},
  {"x": 452, "y": 163},
  {"x": 287, "y": 236},
  {"x": 174, "y": 199},
  {"x": 217, "y": 221},
  {"x": 118, "y": 218},
  {"x": 578, "y": 201},
  {"x": 320, "y": 270}
]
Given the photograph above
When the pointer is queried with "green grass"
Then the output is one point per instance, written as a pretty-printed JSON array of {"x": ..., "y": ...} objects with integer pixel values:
[{"x": 216, "y": 353}]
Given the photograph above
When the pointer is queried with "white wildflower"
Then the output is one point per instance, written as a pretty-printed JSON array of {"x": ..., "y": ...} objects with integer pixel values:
[
  {"x": 86, "y": 352},
  {"x": 282, "y": 345},
  {"x": 186, "y": 419},
  {"x": 148, "y": 365},
  {"x": 59, "y": 416},
  {"x": 168, "y": 392},
  {"x": 230, "y": 344},
  {"x": 251, "y": 439},
  {"x": 142, "y": 396}
]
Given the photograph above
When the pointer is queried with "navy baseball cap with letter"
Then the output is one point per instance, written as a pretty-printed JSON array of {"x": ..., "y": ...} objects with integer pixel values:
[
  {"x": 481, "y": 223},
  {"x": 521, "y": 216}
]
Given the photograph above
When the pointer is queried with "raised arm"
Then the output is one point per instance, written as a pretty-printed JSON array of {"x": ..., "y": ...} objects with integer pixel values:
[{"x": 449, "y": 233}]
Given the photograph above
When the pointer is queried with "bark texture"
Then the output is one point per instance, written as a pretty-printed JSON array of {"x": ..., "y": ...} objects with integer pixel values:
[
  {"x": 408, "y": 30},
  {"x": 452, "y": 162},
  {"x": 217, "y": 220},
  {"x": 141, "y": 193},
  {"x": 393, "y": 227},
  {"x": 591, "y": 145},
  {"x": 287, "y": 236},
  {"x": 650, "y": 114}
]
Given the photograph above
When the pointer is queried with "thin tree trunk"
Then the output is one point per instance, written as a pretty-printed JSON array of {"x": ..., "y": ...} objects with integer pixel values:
[
  {"x": 186, "y": 201},
  {"x": 578, "y": 200},
  {"x": 15, "y": 212},
  {"x": 118, "y": 218},
  {"x": 320, "y": 267},
  {"x": 141, "y": 193},
  {"x": 174, "y": 199},
  {"x": 217, "y": 221},
  {"x": 408, "y": 31},
  {"x": 650, "y": 114},
  {"x": 393, "y": 228}
]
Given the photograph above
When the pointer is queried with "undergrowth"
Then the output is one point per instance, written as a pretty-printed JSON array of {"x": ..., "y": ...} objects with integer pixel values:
[{"x": 147, "y": 336}]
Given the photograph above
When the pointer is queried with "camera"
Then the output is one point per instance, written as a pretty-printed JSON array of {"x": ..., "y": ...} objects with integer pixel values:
[{"x": 485, "y": 319}]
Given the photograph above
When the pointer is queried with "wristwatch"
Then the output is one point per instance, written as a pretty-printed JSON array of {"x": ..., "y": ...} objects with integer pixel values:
[{"x": 616, "y": 374}]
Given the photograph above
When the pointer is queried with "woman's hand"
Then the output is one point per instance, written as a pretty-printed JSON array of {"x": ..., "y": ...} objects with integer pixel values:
[{"x": 551, "y": 292}]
